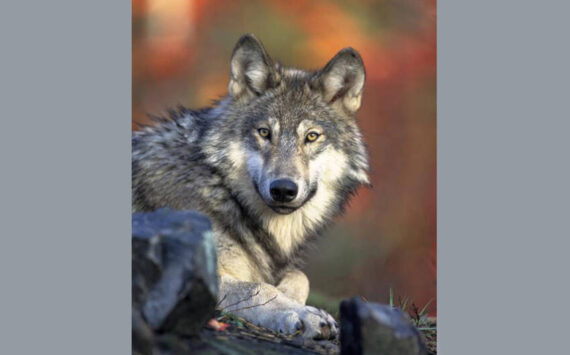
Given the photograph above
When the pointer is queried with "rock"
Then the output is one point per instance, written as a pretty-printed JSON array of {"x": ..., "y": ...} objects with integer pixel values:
[
  {"x": 142, "y": 337},
  {"x": 372, "y": 328},
  {"x": 174, "y": 272}
]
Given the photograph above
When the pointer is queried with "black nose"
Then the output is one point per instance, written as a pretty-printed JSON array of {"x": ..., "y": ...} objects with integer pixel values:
[{"x": 283, "y": 190}]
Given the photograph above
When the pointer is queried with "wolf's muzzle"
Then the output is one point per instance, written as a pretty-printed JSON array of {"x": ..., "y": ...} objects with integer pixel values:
[{"x": 283, "y": 190}]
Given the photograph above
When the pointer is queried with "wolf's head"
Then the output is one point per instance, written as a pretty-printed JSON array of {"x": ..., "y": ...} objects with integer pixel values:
[{"x": 293, "y": 132}]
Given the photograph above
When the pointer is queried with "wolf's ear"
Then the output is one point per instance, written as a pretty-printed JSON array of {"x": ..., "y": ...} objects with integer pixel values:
[
  {"x": 341, "y": 81},
  {"x": 252, "y": 71}
]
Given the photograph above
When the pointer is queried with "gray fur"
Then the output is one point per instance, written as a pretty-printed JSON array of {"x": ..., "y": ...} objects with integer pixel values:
[{"x": 215, "y": 161}]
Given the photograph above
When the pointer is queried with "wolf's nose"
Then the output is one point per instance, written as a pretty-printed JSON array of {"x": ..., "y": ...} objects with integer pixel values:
[{"x": 283, "y": 190}]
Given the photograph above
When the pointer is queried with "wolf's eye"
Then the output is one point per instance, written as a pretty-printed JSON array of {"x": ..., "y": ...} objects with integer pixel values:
[
  {"x": 312, "y": 136},
  {"x": 264, "y": 132}
]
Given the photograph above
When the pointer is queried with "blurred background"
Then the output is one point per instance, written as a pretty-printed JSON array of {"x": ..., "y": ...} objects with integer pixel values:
[{"x": 387, "y": 239}]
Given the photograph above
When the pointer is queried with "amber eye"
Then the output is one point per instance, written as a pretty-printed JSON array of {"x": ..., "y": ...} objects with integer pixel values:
[
  {"x": 312, "y": 136},
  {"x": 264, "y": 132}
]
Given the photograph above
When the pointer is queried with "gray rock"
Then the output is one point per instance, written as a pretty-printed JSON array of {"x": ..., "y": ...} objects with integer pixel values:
[
  {"x": 142, "y": 336},
  {"x": 174, "y": 272},
  {"x": 372, "y": 328}
]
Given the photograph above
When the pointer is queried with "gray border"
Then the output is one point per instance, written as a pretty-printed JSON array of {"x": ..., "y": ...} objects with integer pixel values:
[
  {"x": 65, "y": 86},
  {"x": 503, "y": 175}
]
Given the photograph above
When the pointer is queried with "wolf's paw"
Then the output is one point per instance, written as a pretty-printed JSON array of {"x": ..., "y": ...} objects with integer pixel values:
[
  {"x": 313, "y": 322},
  {"x": 318, "y": 324}
]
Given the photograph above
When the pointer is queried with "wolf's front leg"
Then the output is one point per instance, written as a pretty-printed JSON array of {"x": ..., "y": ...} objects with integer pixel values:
[
  {"x": 266, "y": 306},
  {"x": 295, "y": 285}
]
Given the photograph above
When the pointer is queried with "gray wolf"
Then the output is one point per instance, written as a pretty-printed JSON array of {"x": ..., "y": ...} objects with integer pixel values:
[{"x": 271, "y": 164}]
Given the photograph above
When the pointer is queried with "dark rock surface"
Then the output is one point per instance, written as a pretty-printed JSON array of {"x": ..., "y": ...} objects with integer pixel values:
[
  {"x": 372, "y": 328},
  {"x": 142, "y": 335},
  {"x": 174, "y": 282}
]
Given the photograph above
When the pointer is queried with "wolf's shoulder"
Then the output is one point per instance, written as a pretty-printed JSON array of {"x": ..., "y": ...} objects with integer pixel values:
[{"x": 180, "y": 125}]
